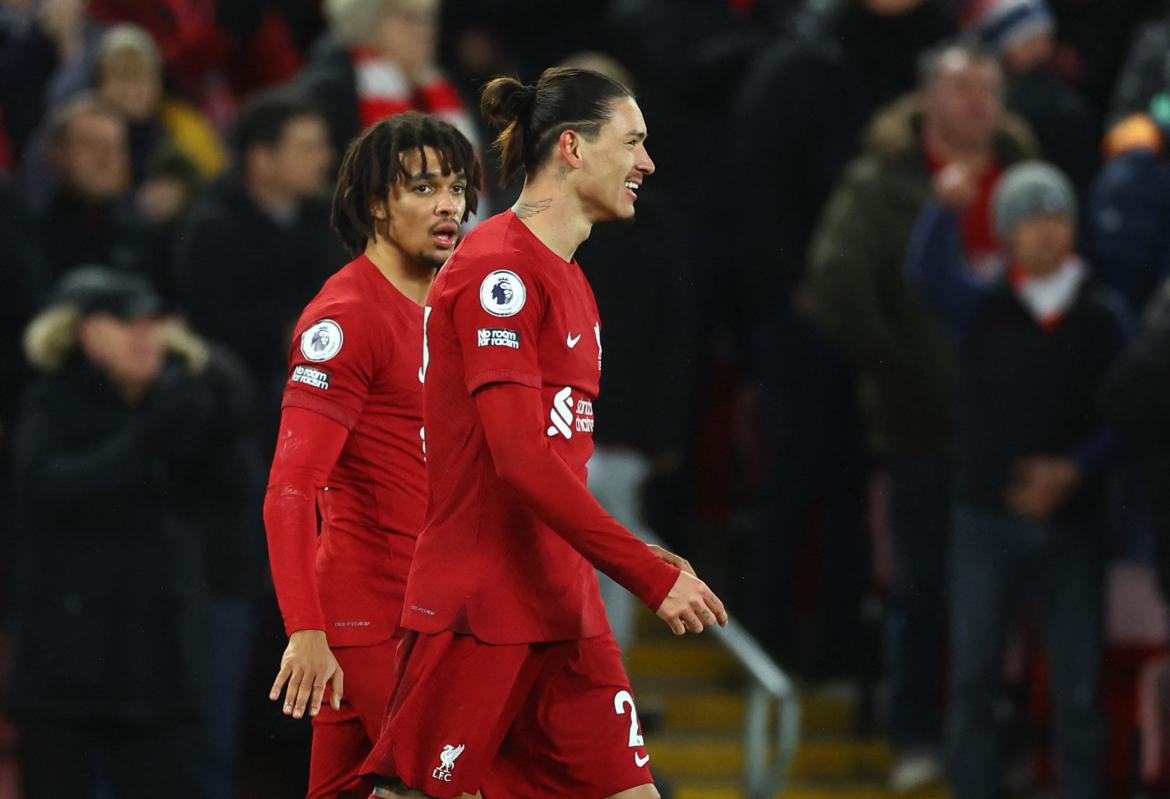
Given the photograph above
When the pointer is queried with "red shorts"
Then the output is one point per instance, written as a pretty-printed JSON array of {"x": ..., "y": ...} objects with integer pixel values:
[
  {"x": 522, "y": 721},
  {"x": 343, "y": 738}
]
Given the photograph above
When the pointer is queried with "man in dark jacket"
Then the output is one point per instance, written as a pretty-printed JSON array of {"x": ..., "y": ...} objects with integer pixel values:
[
  {"x": 257, "y": 245},
  {"x": 90, "y": 216},
  {"x": 857, "y": 57},
  {"x": 1031, "y": 451},
  {"x": 904, "y": 367},
  {"x": 1136, "y": 399},
  {"x": 116, "y": 450}
]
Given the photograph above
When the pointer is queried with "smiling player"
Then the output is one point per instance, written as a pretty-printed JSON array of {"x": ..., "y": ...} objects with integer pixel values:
[
  {"x": 510, "y": 679},
  {"x": 350, "y": 444}
]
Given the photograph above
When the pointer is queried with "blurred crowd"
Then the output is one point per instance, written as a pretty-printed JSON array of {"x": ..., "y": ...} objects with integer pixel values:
[{"x": 888, "y": 354}]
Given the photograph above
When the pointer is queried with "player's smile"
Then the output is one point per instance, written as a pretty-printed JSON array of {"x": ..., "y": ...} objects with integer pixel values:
[{"x": 632, "y": 187}]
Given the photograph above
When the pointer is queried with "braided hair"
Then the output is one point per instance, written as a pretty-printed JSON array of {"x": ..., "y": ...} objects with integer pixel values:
[{"x": 373, "y": 163}]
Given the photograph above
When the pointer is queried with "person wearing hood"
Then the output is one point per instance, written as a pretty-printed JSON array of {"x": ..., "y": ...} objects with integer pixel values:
[
  {"x": 118, "y": 450},
  {"x": 1031, "y": 455}
]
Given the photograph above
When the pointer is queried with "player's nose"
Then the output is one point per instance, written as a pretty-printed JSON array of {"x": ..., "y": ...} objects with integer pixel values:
[
  {"x": 445, "y": 203},
  {"x": 645, "y": 164}
]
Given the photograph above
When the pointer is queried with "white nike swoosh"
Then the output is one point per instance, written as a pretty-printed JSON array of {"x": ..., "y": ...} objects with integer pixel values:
[
  {"x": 572, "y": 340},
  {"x": 641, "y": 760}
]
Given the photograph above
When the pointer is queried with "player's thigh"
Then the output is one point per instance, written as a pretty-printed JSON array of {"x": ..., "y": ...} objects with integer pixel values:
[
  {"x": 641, "y": 792},
  {"x": 403, "y": 792},
  {"x": 370, "y": 676},
  {"x": 340, "y": 745},
  {"x": 453, "y": 704},
  {"x": 578, "y": 735}
]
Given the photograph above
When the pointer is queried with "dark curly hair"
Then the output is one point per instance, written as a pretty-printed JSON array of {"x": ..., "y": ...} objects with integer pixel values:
[{"x": 373, "y": 163}]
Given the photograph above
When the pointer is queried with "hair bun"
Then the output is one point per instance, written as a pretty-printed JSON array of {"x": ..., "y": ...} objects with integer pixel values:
[
  {"x": 505, "y": 100},
  {"x": 522, "y": 100}
]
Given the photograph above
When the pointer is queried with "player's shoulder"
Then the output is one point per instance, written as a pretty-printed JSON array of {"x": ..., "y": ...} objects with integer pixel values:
[
  {"x": 339, "y": 313},
  {"x": 345, "y": 292},
  {"x": 493, "y": 250}
]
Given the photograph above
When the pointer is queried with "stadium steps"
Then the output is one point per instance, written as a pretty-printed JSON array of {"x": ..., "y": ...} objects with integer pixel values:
[{"x": 691, "y": 693}]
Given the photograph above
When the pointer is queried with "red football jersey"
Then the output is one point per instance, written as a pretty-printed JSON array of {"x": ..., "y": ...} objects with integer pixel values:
[
  {"x": 356, "y": 357},
  {"x": 507, "y": 309}
]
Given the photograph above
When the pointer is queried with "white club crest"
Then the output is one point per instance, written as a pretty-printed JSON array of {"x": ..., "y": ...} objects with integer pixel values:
[
  {"x": 502, "y": 293},
  {"x": 322, "y": 340},
  {"x": 447, "y": 760}
]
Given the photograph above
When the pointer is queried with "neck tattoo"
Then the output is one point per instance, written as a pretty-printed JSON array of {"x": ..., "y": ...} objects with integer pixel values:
[{"x": 526, "y": 210}]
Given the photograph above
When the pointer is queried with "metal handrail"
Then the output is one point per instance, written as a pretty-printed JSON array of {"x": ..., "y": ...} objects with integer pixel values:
[{"x": 767, "y": 758}]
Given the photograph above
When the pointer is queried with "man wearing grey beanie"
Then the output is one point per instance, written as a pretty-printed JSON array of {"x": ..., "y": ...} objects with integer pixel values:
[{"x": 1031, "y": 453}]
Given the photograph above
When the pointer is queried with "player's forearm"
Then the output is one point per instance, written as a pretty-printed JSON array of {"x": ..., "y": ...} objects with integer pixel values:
[
  {"x": 290, "y": 520},
  {"x": 527, "y": 463},
  {"x": 307, "y": 448}
]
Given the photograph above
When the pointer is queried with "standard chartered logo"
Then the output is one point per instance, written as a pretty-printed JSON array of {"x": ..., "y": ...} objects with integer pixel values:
[
  {"x": 562, "y": 413},
  {"x": 569, "y": 415}
]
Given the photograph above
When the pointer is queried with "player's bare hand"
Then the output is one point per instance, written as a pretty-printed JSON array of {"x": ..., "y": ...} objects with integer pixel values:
[
  {"x": 673, "y": 559},
  {"x": 691, "y": 606},
  {"x": 307, "y": 667}
]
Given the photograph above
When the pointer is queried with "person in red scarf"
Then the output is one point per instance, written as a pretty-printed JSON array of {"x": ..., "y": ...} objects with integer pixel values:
[{"x": 378, "y": 58}]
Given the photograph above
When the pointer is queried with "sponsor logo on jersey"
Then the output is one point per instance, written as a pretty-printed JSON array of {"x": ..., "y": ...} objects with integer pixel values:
[
  {"x": 502, "y": 293},
  {"x": 641, "y": 760},
  {"x": 498, "y": 337},
  {"x": 322, "y": 340},
  {"x": 447, "y": 760},
  {"x": 597, "y": 332},
  {"x": 572, "y": 340},
  {"x": 568, "y": 417},
  {"x": 310, "y": 377}
]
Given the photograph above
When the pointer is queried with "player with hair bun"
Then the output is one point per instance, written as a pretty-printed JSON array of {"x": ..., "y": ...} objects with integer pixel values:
[{"x": 510, "y": 682}]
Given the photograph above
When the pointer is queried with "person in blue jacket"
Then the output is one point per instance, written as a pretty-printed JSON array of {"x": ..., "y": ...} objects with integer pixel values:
[{"x": 1031, "y": 449}]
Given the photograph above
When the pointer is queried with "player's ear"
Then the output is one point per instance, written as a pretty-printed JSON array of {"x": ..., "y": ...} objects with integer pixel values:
[
  {"x": 379, "y": 211},
  {"x": 569, "y": 146}
]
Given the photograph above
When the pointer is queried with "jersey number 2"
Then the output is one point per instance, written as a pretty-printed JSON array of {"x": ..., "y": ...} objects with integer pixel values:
[{"x": 620, "y": 701}]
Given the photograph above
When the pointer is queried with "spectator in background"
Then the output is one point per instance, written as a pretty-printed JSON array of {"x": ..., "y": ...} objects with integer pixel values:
[
  {"x": 1128, "y": 206},
  {"x": 33, "y": 43},
  {"x": 90, "y": 215},
  {"x": 1021, "y": 33},
  {"x": 129, "y": 79},
  {"x": 863, "y": 55},
  {"x": 257, "y": 244},
  {"x": 378, "y": 58},
  {"x": 1136, "y": 399},
  {"x": 115, "y": 450},
  {"x": 218, "y": 52},
  {"x": 905, "y": 368},
  {"x": 1143, "y": 84},
  {"x": 1031, "y": 451},
  {"x": 21, "y": 274}
]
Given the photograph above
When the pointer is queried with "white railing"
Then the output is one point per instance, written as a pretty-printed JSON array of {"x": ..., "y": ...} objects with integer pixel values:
[{"x": 772, "y": 724}]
